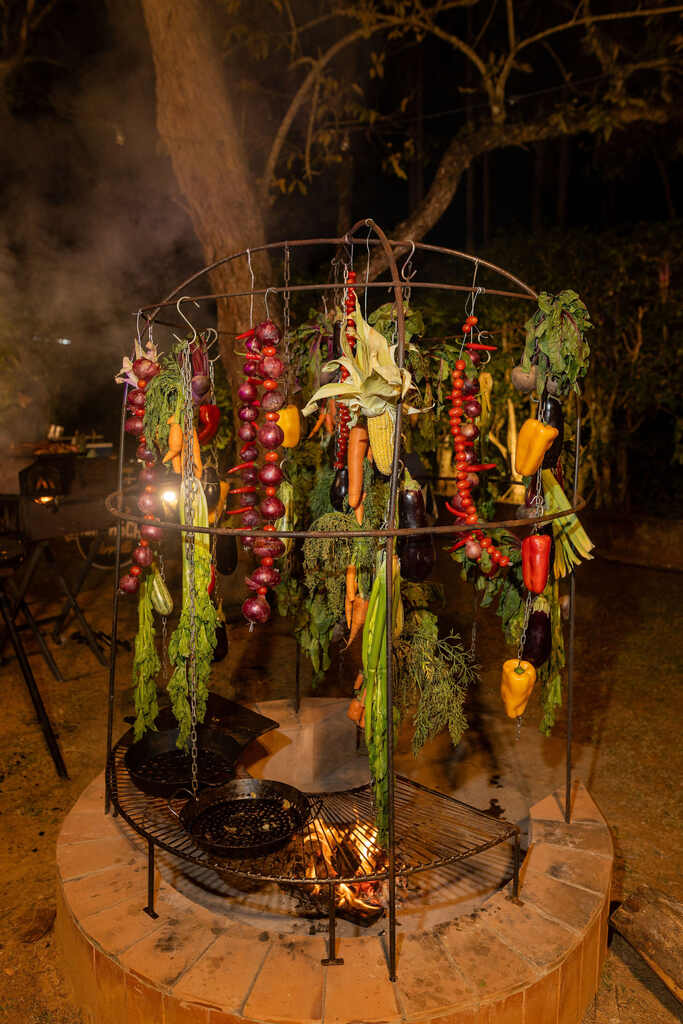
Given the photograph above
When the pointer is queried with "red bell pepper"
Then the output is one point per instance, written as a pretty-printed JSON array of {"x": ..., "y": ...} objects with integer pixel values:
[
  {"x": 209, "y": 418},
  {"x": 536, "y": 562}
]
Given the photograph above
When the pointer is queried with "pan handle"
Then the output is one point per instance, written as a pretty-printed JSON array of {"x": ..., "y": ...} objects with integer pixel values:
[{"x": 173, "y": 796}]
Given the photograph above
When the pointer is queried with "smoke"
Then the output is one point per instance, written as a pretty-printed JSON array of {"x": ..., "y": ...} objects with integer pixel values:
[{"x": 91, "y": 227}]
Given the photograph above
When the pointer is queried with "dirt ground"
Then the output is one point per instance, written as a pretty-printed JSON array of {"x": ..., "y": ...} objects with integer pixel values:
[{"x": 628, "y": 709}]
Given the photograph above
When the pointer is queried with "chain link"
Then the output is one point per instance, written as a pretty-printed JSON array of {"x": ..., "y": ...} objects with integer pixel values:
[
  {"x": 190, "y": 484},
  {"x": 527, "y": 613},
  {"x": 165, "y": 665}
]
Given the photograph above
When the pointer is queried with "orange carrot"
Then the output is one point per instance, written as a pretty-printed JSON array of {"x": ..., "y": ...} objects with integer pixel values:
[
  {"x": 361, "y": 724},
  {"x": 177, "y": 464},
  {"x": 358, "y": 613},
  {"x": 175, "y": 440},
  {"x": 358, "y": 682},
  {"x": 351, "y": 591},
  {"x": 368, "y": 455},
  {"x": 355, "y": 710},
  {"x": 196, "y": 455},
  {"x": 358, "y": 446},
  {"x": 358, "y": 512},
  {"x": 318, "y": 424}
]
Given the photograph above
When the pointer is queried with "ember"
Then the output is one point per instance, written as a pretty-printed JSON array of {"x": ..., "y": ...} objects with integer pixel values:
[{"x": 341, "y": 852}]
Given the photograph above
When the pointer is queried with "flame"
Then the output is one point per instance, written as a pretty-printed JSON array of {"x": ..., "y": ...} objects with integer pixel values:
[{"x": 344, "y": 851}]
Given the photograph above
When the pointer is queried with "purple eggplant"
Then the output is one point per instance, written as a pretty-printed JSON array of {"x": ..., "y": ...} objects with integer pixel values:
[
  {"x": 551, "y": 413},
  {"x": 339, "y": 489},
  {"x": 221, "y": 648},
  {"x": 538, "y": 639},
  {"x": 417, "y": 553}
]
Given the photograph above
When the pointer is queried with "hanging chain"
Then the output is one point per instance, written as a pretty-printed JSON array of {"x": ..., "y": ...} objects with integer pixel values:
[
  {"x": 165, "y": 665},
  {"x": 527, "y": 613},
  {"x": 190, "y": 487}
]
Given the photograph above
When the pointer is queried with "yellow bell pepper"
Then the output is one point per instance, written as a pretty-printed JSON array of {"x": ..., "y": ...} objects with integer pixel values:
[
  {"x": 533, "y": 441},
  {"x": 290, "y": 421},
  {"x": 516, "y": 685}
]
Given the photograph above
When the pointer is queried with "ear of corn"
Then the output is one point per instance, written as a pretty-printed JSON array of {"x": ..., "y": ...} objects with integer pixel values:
[
  {"x": 381, "y": 435},
  {"x": 572, "y": 543}
]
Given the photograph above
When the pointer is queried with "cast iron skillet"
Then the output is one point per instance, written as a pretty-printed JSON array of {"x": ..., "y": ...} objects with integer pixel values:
[
  {"x": 158, "y": 767},
  {"x": 245, "y": 817}
]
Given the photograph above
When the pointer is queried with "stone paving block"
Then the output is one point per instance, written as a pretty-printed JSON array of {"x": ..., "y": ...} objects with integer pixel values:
[
  {"x": 144, "y": 1004},
  {"x": 573, "y": 866},
  {"x": 526, "y": 931},
  {"x": 86, "y": 824},
  {"x": 176, "y": 1012},
  {"x": 583, "y": 807},
  {"x": 570, "y": 987},
  {"x": 567, "y": 903},
  {"x": 591, "y": 838},
  {"x": 289, "y": 986},
  {"x": 111, "y": 990},
  {"x": 542, "y": 1000},
  {"x": 223, "y": 975},
  {"x": 428, "y": 980},
  {"x": 489, "y": 966},
  {"x": 92, "y": 893},
  {"x": 78, "y": 859},
  {"x": 170, "y": 950},
  {"x": 121, "y": 926},
  {"x": 360, "y": 990},
  {"x": 217, "y": 1017}
]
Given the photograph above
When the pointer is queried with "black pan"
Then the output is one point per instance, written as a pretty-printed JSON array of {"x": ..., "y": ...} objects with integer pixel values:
[
  {"x": 246, "y": 817},
  {"x": 159, "y": 768}
]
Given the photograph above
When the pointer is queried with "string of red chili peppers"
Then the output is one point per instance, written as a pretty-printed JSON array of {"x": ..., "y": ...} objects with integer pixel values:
[
  {"x": 463, "y": 401},
  {"x": 342, "y": 441}
]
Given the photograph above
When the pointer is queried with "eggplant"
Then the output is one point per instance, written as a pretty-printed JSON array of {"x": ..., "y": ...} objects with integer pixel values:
[
  {"x": 212, "y": 487},
  {"x": 417, "y": 553},
  {"x": 339, "y": 489},
  {"x": 221, "y": 648},
  {"x": 538, "y": 639},
  {"x": 551, "y": 413},
  {"x": 226, "y": 554}
]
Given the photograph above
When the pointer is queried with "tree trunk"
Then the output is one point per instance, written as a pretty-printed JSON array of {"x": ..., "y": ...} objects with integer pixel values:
[{"x": 198, "y": 126}]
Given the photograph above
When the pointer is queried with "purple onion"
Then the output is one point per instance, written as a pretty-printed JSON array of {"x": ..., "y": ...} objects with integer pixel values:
[
  {"x": 149, "y": 531},
  {"x": 271, "y": 436},
  {"x": 473, "y": 549},
  {"x": 469, "y": 455},
  {"x": 250, "y": 368},
  {"x": 248, "y": 413},
  {"x": 475, "y": 357},
  {"x": 247, "y": 542},
  {"x": 148, "y": 475},
  {"x": 247, "y": 500},
  {"x": 252, "y": 345},
  {"x": 136, "y": 399},
  {"x": 469, "y": 431},
  {"x": 251, "y": 518},
  {"x": 272, "y": 508},
  {"x": 200, "y": 385},
  {"x": 270, "y": 475},
  {"x": 265, "y": 576},
  {"x": 145, "y": 369},
  {"x": 268, "y": 547},
  {"x": 470, "y": 387},
  {"x": 129, "y": 584},
  {"x": 256, "y": 609},
  {"x": 148, "y": 503},
  {"x": 472, "y": 408},
  {"x": 250, "y": 475},
  {"x": 248, "y": 452},
  {"x": 272, "y": 401},
  {"x": 246, "y": 432},
  {"x": 134, "y": 426},
  {"x": 473, "y": 480},
  {"x": 143, "y": 556},
  {"x": 273, "y": 367},
  {"x": 252, "y": 584},
  {"x": 247, "y": 392},
  {"x": 145, "y": 454},
  {"x": 268, "y": 333}
]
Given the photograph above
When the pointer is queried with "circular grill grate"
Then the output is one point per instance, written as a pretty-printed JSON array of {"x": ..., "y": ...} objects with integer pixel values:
[
  {"x": 173, "y": 768},
  {"x": 247, "y": 823}
]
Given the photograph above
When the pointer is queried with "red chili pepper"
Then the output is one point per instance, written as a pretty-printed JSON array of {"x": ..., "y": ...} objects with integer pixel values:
[
  {"x": 536, "y": 561},
  {"x": 459, "y": 544},
  {"x": 455, "y": 512},
  {"x": 243, "y": 490},
  {"x": 237, "y": 469},
  {"x": 209, "y": 418},
  {"x": 247, "y": 334},
  {"x": 212, "y": 581},
  {"x": 481, "y": 468},
  {"x": 481, "y": 348}
]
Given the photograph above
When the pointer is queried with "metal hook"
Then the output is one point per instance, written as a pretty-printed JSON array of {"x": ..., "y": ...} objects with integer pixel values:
[
  {"x": 407, "y": 264},
  {"x": 251, "y": 296},
  {"x": 265, "y": 300},
  {"x": 367, "y": 268},
  {"x": 187, "y": 298}
]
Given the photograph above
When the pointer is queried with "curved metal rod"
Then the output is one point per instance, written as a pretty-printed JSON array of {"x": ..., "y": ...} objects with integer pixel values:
[
  {"x": 345, "y": 240},
  {"x": 187, "y": 298}
]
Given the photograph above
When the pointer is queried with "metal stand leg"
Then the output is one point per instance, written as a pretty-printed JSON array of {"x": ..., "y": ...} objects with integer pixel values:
[
  {"x": 149, "y": 909},
  {"x": 60, "y": 624},
  {"x": 45, "y": 650},
  {"x": 515, "y": 871},
  {"x": 45, "y": 723},
  {"x": 570, "y": 700},
  {"x": 297, "y": 680},
  {"x": 19, "y": 593},
  {"x": 76, "y": 608},
  {"x": 331, "y": 959}
]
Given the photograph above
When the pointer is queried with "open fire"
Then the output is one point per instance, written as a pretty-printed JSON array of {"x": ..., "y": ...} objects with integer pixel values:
[{"x": 341, "y": 852}]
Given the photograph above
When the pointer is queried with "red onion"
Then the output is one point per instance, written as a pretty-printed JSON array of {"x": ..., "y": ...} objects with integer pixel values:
[
  {"x": 273, "y": 367},
  {"x": 129, "y": 584},
  {"x": 256, "y": 609},
  {"x": 268, "y": 333},
  {"x": 247, "y": 542},
  {"x": 456, "y": 501},
  {"x": 473, "y": 549},
  {"x": 265, "y": 576},
  {"x": 272, "y": 401},
  {"x": 148, "y": 475},
  {"x": 470, "y": 387},
  {"x": 252, "y": 345},
  {"x": 469, "y": 431},
  {"x": 272, "y": 508},
  {"x": 472, "y": 408},
  {"x": 475, "y": 357},
  {"x": 149, "y": 531},
  {"x": 469, "y": 455},
  {"x": 136, "y": 398},
  {"x": 143, "y": 556},
  {"x": 268, "y": 547},
  {"x": 145, "y": 454},
  {"x": 148, "y": 503},
  {"x": 247, "y": 392},
  {"x": 246, "y": 432},
  {"x": 145, "y": 369},
  {"x": 473, "y": 480},
  {"x": 250, "y": 475},
  {"x": 248, "y": 452},
  {"x": 134, "y": 426},
  {"x": 247, "y": 500},
  {"x": 251, "y": 517},
  {"x": 248, "y": 413},
  {"x": 250, "y": 368},
  {"x": 270, "y": 475},
  {"x": 271, "y": 436}
]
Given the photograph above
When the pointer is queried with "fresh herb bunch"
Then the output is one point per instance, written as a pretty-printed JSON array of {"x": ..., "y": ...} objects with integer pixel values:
[
  {"x": 555, "y": 342},
  {"x": 146, "y": 666},
  {"x": 550, "y": 674},
  {"x": 506, "y": 589},
  {"x": 162, "y": 397}
]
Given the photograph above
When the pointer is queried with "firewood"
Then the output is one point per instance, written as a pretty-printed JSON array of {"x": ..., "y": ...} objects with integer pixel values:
[{"x": 653, "y": 924}]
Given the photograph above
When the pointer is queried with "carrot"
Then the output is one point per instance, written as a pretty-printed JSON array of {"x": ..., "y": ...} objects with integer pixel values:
[
  {"x": 358, "y": 512},
  {"x": 355, "y": 710},
  {"x": 351, "y": 591},
  {"x": 175, "y": 441},
  {"x": 177, "y": 464},
  {"x": 196, "y": 455},
  {"x": 358, "y": 613},
  {"x": 358, "y": 682},
  {"x": 358, "y": 446},
  {"x": 318, "y": 424},
  {"x": 361, "y": 724},
  {"x": 368, "y": 455}
]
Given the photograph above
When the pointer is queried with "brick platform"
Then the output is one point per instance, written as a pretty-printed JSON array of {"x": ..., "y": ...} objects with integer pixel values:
[{"x": 537, "y": 962}]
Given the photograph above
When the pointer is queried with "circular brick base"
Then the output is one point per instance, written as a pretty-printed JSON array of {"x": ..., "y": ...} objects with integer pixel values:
[{"x": 533, "y": 962}]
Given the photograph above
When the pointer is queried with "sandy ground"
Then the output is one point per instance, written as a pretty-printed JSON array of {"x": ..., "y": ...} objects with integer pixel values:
[{"x": 627, "y": 727}]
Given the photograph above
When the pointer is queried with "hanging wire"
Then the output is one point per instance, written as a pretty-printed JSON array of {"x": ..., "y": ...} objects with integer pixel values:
[
  {"x": 367, "y": 273},
  {"x": 251, "y": 296},
  {"x": 408, "y": 273}
]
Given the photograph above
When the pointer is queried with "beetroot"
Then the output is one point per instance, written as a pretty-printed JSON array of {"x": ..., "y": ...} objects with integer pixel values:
[
  {"x": 272, "y": 508},
  {"x": 270, "y": 475},
  {"x": 256, "y": 609},
  {"x": 247, "y": 432},
  {"x": 268, "y": 333},
  {"x": 271, "y": 436}
]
